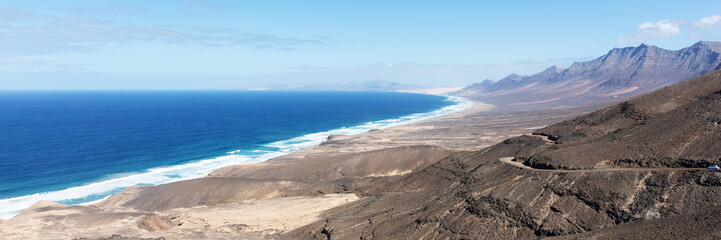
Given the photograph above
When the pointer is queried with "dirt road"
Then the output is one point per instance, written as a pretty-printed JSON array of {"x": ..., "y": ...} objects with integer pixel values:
[{"x": 510, "y": 160}]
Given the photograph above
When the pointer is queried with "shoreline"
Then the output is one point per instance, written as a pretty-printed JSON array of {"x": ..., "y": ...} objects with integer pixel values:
[
  {"x": 285, "y": 148},
  {"x": 371, "y": 140},
  {"x": 317, "y": 178},
  {"x": 376, "y": 139}
]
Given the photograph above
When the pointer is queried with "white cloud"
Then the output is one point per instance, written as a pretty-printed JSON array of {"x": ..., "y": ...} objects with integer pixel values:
[
  {"x": 25, "y": 33},
  {"x": 385, "y": 65},
  {"x": 708, "y": 22},
  {"x": 663, "y": 28}
]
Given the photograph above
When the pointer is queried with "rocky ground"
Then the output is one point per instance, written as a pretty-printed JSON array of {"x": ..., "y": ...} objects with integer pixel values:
[{"x": 566, "y": 189}]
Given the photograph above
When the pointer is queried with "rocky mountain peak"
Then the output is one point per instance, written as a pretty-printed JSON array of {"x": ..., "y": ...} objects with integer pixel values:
[
  {"x": 644, "y": 45},
  {"x": 512, "y": 76},
  {"x": 488, "y": 82},
  {"x": 553, "y": 69},
  {"x": 713, "y": 46}
]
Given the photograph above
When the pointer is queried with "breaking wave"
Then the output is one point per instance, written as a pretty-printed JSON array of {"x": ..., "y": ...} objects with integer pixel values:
[{"x": 99, "y": 190}]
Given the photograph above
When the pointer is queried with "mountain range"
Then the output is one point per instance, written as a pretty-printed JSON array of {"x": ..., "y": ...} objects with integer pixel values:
[{"x": 621, "y": 73}]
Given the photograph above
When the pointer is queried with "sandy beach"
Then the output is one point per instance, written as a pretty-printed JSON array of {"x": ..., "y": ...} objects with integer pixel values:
[
  {"x": 279, "y": 195},
  {"x": 471, "y": 129}
]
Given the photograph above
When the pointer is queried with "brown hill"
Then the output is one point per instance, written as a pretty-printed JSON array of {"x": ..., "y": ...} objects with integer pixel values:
[
  {"x": 474, "y": 195},
  {"x": 312, "y": 176},
  {"x": 674, "y": 127},
  {"x": 252, "y": 201}
]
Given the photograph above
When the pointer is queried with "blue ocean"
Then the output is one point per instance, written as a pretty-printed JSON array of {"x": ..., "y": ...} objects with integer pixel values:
[{"x": 78, "y": 147}]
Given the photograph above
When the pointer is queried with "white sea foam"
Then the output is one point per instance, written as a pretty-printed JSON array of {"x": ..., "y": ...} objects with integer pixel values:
[{"x": 97, "y": 191}]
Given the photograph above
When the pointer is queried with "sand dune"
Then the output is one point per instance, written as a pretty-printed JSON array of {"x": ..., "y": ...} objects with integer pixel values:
[{"x": 242, "y": 220}]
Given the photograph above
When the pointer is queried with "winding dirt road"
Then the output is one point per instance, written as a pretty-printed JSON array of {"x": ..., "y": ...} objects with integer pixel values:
[{"x": 510, "y": 161}]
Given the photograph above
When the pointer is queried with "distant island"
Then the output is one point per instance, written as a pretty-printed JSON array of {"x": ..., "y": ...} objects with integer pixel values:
[{"x": 370, "y": 86}]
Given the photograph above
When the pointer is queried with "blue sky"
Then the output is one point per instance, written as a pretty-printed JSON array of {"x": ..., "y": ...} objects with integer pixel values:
[{"x": 198, "y": 44}]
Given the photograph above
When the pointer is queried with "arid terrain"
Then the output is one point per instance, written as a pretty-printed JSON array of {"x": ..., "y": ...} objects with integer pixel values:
[
  {"x": 360, "y": 120},
  {"x": 635, "y": 169},
  {"x": 650, "y": 188}
]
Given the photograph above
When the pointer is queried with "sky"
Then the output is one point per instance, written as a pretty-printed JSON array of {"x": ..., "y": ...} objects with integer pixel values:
[{"x": 198, "y": 44}]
